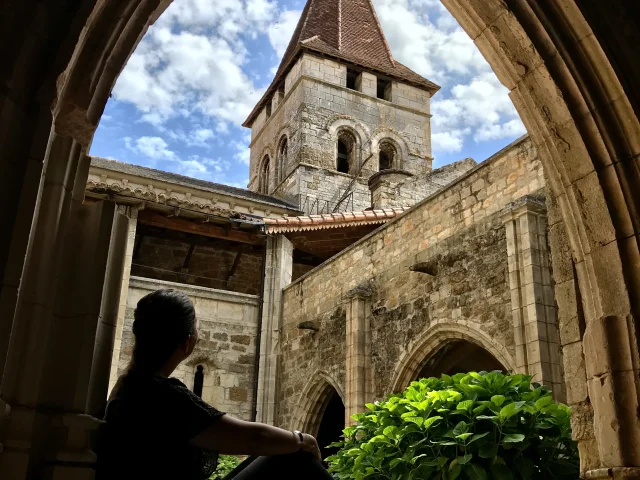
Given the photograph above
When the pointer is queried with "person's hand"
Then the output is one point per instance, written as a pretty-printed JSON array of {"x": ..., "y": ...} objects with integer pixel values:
[{"x": 309, "y": 444}]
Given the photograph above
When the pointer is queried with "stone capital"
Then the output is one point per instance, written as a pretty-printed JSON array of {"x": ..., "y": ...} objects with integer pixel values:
[
  {"x": 359, "y": 292},
  {"x": 74, "y": 439},
  {"x": 526, "y": 204}
]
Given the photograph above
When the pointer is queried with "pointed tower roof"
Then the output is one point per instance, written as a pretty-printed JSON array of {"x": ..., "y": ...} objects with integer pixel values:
[{"x": 346, "y": 30}]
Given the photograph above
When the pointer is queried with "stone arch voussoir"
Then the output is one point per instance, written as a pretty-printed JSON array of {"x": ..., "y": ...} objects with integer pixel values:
[
  {"x": 314, "y": 398},
  {"x": 432, "y": 339}
]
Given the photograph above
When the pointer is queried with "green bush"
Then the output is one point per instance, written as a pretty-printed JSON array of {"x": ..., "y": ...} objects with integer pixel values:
[
  {"x": 226, "y": 464},
  {"x": 470, "y": 426}
]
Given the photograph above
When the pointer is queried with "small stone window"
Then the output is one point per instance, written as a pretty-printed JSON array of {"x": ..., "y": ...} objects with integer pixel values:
[
  {"x": 354, "y": 79},
  {"x": 346, "y": 152},
  {"x": 263, "y": 178},
  {"x": 283, "y": 152},
  {"x": 269, "y": 108},
  {"x": 387, "y": 156},
  {"x": 384, "y": 89},
  {"x": 198, "y": 380}
]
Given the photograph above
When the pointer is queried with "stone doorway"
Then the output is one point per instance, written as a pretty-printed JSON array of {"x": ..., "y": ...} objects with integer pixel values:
[{"x": 331, "y": 425}]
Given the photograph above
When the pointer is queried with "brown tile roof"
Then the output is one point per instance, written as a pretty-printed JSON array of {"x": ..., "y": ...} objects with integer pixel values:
[
  {"x": 332, "y": 220},
  {"x": 347, "y": 30}
]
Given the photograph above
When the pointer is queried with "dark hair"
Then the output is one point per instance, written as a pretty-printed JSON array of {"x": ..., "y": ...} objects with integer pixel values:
[{"x": 163, "y": 320}]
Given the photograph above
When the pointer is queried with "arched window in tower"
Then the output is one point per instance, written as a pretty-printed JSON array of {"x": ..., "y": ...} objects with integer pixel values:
[
  {"x": 346, "y": 152},
  {"x": 387, "y": 156},
  {"x": 283, "y": 151},
  {"x": 263, "y": 178},
  {"x": 198, "y": 380}
]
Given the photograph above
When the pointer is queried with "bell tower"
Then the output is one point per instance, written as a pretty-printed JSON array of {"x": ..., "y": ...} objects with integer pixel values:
[{"x": 339, "y": 110}]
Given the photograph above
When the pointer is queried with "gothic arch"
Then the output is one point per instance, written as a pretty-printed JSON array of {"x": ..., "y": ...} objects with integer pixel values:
[
  {"x": 265, "y": 175},
  {"x": 313, "y": 400},
  {"x": 432, "y": 339},
  {"x": 282, "y": 157},
  {"x": 394, "y": 137}
]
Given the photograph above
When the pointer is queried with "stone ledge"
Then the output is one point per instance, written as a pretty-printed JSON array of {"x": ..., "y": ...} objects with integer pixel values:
[
  {"x": 192, "y": 290},
  {"x": 617, "y": 473}
]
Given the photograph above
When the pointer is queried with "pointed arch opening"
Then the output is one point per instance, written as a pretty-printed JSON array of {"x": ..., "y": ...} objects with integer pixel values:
[
  {"x": 458, "y": 356},
  {"x": 263, "y": 178},
  {"x": 450, "y": 348},
  {"x": 283, "y": 157},
  {"x": 331, "y": 424}
]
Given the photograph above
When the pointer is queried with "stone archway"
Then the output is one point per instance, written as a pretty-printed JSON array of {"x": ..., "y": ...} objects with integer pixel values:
[
  {"x": 573, "y": 75},
  {"x": 415, "y": 359},
  {"x": 314, "y": 399},
  {"x": 459, "y": 356}
]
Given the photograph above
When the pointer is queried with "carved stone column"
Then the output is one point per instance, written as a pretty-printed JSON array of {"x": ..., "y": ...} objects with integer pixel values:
[
  {"x": 50, "y": 358},
  {"x": 278, "y": 274},
  {"x": 535, "y": 324},
  {"x": 131, "y": 213},
  {"x": 358, "y": 378}
]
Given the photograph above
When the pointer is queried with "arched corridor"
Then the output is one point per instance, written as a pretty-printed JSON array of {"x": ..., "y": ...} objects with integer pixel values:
[{"x": 572, "y": 69}]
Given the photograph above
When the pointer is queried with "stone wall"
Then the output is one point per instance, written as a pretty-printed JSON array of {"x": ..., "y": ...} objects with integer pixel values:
[
  {"x": 227, "y": 328},
  {"x": 458, "y": 230},
  {"x": 209, "y": 266},
  {"x": 409, "y": 190}
]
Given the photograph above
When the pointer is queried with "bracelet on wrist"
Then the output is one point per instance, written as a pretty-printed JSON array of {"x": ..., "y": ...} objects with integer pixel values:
[{"x": 299, "y": 435}]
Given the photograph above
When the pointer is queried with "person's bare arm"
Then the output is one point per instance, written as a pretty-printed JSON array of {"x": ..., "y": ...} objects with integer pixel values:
[{"x": 231, "y": 436}]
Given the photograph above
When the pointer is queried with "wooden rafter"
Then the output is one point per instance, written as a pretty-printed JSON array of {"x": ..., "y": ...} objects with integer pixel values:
[{"x": 155, "y": 219}]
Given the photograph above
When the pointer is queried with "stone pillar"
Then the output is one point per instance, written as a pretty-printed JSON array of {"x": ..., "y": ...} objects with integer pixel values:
[
  {"x": 535, "y": 323},
  {"x": 367, "y": 83},
  {"x": 358, "y": 377},
  {"x": 384, "y": 185},
  {"x": 51, "y": 350},
  {"x": 132, "y": 215},
  {"x": 278, "y": 273}
]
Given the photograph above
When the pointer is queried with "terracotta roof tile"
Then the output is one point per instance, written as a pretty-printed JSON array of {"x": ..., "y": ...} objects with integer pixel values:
[
  {"x": 347, "y": 30},
  {"x": 332, "y": 220}
]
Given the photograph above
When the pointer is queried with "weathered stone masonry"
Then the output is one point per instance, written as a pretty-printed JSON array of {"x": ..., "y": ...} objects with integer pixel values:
[{"x": 461, "y": 232}]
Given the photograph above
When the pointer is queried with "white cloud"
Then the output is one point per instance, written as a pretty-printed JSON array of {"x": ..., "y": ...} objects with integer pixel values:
[
  {"x": 153, "y": 148},
  {"x": 472, "y": 103},
  {"x": 281, "y": 31},
  {"x": 448, "y": 142}
]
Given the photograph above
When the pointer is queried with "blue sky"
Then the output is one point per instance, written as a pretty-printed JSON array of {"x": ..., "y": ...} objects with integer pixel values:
[{"x": 180, "y": 101}]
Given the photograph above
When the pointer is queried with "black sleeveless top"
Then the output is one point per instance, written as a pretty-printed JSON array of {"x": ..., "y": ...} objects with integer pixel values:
[{"x": 150, "y": 420}]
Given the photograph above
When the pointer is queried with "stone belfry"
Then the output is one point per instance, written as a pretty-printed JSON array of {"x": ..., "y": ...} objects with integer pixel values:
[{"x": 340, "y": 110}]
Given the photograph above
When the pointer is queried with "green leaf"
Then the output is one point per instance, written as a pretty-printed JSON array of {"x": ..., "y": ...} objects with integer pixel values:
[
  {"x": 417, "y": 420},
  {"x": 498, "y": 399},
  {"x": 543, "y": 402},
  {"x": 464, "y": 459},
  {"x": 391, "y": 432},
  {"x": 460, "y": 428},
  {"x": 501, "y": 472},
  {"x": 525, "y": 467},
  {"x": 478, "y": 436},
  {"x": 429, "y": 422},
  {"x": 475, "y": 472},
  {"x": 513, "y": 438},
  {"x": 370, "y": 406},
  {"x": 488, "y": 450},
  {"x": 465, "y": 405},
  {"x": 508, "y": 411},
  {"x": 464, "y": 436}
]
